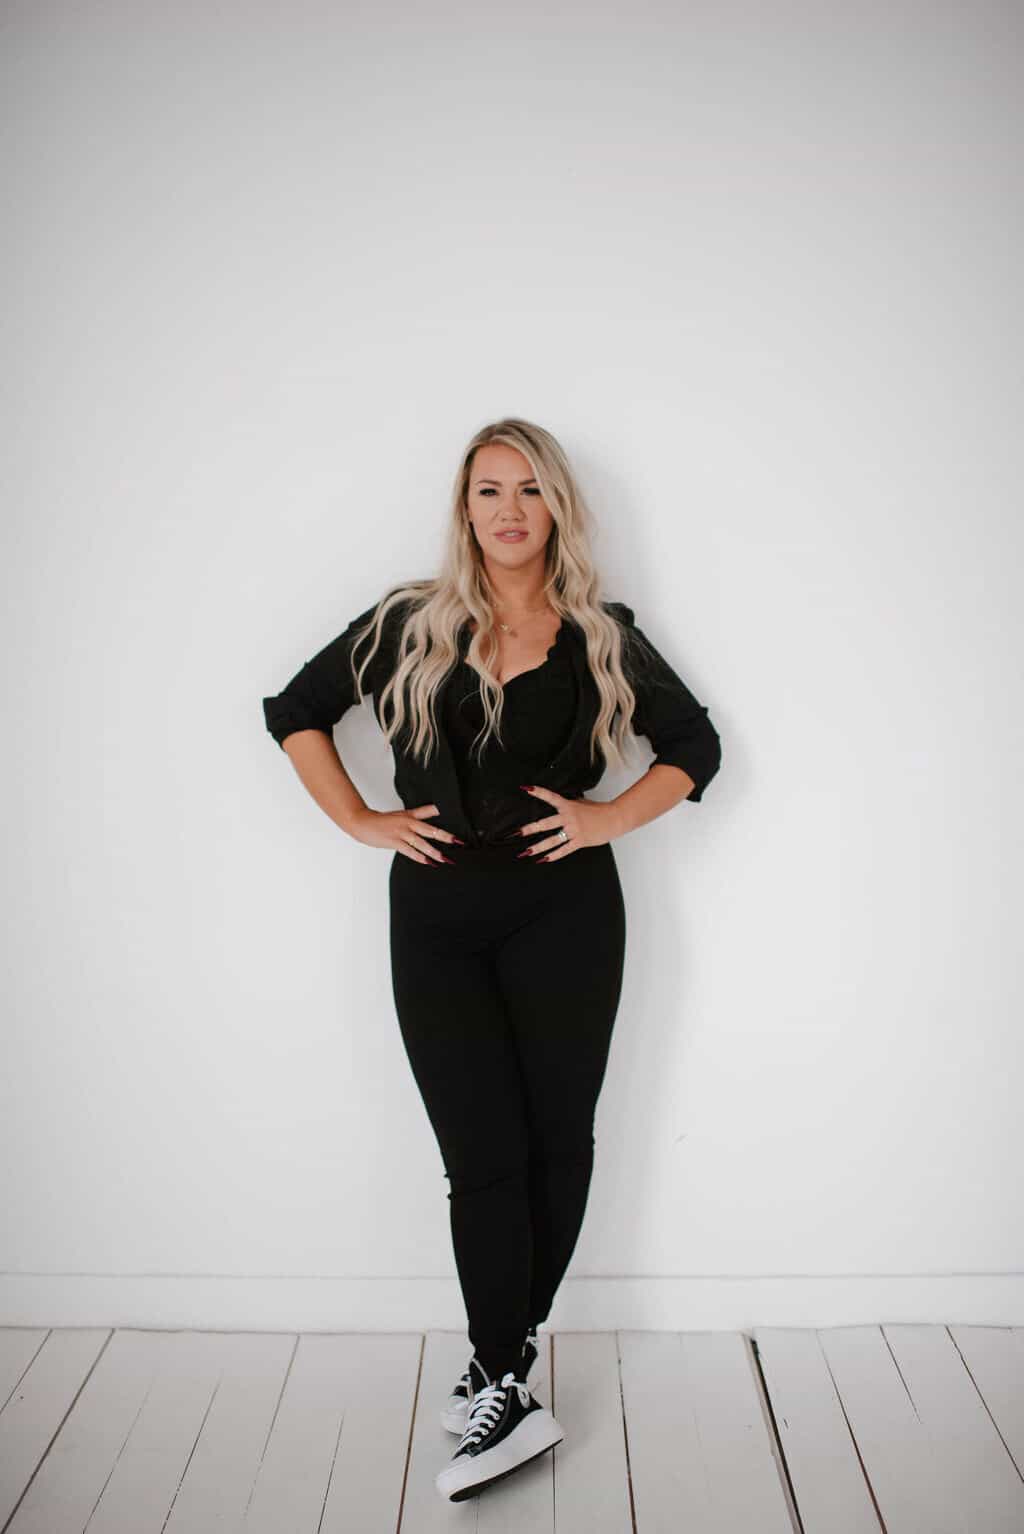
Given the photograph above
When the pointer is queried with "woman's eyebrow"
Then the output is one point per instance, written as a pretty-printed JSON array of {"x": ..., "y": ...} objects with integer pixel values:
[{"x": 530, "y": 481}]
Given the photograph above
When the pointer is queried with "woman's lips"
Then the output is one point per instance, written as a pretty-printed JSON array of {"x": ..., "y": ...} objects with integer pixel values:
[{"x": 512, "y": 535}]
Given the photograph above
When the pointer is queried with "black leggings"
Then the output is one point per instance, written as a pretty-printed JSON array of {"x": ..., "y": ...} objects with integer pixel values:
[{"x": 506, "y": 982}]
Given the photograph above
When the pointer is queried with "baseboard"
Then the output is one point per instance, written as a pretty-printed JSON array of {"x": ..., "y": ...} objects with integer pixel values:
[{"x": 717, "y": 1302}]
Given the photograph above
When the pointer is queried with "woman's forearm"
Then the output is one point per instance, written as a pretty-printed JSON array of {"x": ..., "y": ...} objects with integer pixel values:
[
  {"x": 661, "y": 787},
  {"x": 315, "y": 758}
]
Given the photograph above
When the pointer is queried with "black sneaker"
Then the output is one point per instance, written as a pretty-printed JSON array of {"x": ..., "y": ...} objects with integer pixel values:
[
  {"x": 505, "y": 1428},
  {"x": 455, "y": 1409},
  {"x": 453, "y": 1412}
]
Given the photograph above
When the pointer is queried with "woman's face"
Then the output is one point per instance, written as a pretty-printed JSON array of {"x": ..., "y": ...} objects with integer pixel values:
[{"x": 504, "y": 497}]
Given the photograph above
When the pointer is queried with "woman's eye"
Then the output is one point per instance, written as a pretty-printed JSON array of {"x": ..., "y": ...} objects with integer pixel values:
[{"x": 529, "y": 490}]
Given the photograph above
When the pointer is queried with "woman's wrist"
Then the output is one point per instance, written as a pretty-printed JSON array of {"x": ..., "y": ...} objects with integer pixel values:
[
  {"x": 352, "y": 817},
  {"x": 660, "y": 789},
  {"x": 618, "y": 822}
]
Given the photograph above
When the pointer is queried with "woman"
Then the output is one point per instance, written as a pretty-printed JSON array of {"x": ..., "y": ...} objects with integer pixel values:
[{"x": 504, "y": 687}]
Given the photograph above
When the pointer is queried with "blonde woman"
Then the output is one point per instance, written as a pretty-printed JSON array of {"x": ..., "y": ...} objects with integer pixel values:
[{"x": 504, "y": 686}]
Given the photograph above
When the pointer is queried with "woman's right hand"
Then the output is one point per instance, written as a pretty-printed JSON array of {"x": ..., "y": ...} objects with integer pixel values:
[{"x": 403, "y": 831}]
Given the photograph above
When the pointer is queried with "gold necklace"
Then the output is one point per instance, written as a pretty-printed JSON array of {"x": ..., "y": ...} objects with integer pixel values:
[{"x": 507, "y": 627}]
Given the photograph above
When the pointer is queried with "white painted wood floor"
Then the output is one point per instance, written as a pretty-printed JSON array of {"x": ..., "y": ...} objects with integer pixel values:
[{"x": 910, "y": 1429}]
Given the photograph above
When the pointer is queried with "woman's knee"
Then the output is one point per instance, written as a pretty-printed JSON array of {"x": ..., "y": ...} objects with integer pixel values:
[
  {"x": 481, "y": 1178},
  {"x": 565, "y": 1146}
]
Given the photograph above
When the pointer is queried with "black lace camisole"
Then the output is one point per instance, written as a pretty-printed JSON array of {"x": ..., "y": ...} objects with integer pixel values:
[{"x": 539, "y": 711}]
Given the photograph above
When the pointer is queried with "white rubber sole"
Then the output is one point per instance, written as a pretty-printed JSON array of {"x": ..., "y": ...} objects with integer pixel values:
[{"x": 466, "y": 1476}]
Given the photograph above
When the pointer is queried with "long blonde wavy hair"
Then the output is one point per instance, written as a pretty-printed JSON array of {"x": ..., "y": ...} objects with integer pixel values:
[{"x": 428, "y": 647}]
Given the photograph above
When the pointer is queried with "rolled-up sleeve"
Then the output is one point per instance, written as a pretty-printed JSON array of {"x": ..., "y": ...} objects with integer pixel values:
[
  {"x": 321, "y": 690},
  {"x": 675, "y": 722}
]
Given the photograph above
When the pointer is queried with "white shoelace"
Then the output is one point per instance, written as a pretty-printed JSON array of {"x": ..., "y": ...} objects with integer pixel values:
[{"x": 487, "y": 1407}]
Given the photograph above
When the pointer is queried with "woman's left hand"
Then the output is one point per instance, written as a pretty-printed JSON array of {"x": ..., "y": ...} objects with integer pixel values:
[{"x": 586, "y": 822}]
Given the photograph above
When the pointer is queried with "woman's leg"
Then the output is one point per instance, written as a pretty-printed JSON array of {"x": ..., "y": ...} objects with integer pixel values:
[
  {"x": 561, "y": 978},
  {"x": 463, "y": 1057}
]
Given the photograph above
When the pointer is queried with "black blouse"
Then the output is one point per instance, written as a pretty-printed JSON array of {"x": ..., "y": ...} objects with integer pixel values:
[
  {"x": 542, "y": 742},
  {"x": 538, "y": 713}
]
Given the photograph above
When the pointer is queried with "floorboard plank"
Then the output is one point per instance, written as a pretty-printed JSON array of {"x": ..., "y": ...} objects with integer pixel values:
[
  {"x": 976, "y": 1473},
  {"x": 381, "y": 1370},
  {"x": 718, "y": 1374},
  {"x": 829, "y": 1487},
  {"x": 895, "y": 1448},
  {"x": 995, "y": 1361},
  {"x": 40, "y": 1375},
  {"x": 154, "y": 1457},
  {"x": 670, "y": 1486},
  {"x": 70, "y": 1481},
  {"x": 702, "y": 1451},
  {"x": 221, "y": 1471},
  {"x": 18, "y": 1347},
  {"x": 312, "y": 1476},
  {"x": 591, "y": 1480},
  {"x": 444, "y": 1357}
]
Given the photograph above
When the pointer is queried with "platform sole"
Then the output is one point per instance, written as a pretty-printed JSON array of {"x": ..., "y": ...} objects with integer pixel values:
[{"x": 470, "y": 1475}]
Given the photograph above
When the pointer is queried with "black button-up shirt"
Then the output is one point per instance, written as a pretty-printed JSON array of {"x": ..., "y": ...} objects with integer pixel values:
[{"x": 677, "y": 725}]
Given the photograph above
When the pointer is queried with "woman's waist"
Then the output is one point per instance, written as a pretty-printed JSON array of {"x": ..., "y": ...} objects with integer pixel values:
[
  {"x": 497, "y": 813},
  {"x": 498, "y": 853},
  {"x": 511, "y": 853},
  {"x": 499, "y": 838}
]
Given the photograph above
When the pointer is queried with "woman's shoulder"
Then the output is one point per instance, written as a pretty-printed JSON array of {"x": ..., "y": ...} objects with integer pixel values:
[
  {"x": 621, "y": 611},
  {"x": 395, "y": 605}
]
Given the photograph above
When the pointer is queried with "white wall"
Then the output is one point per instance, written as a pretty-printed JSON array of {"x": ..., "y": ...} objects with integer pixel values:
[{"x": 269, "y": 267}]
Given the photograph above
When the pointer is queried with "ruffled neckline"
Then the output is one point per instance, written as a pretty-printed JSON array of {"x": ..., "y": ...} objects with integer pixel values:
[{"x": 561, "y": 634}]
